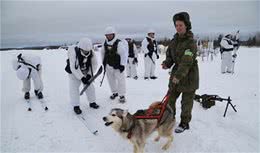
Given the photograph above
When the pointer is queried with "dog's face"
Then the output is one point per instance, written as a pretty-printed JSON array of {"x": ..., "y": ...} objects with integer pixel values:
[{"x": 115, "y": 118}]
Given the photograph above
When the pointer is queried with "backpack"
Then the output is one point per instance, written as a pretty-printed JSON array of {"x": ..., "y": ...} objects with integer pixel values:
[{"x": 205, "y": 100}]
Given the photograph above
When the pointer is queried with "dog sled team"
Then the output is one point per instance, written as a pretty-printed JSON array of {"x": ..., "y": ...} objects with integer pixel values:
[{"x": 119, "y": 61}]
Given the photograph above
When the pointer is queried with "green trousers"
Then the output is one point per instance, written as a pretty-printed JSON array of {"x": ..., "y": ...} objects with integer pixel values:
[{"x": 186, "y": 104}]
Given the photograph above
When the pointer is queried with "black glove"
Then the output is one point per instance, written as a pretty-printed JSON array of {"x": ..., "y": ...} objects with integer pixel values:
[
  {"x": 85, "y": 79},
  {"x": 157, "y": 56},
  {"x": 135, "y": 60},
  {"x": 234, "y": 55},
  {"x": 121, "y": 68},
  {"x": 145, "y": 55}
]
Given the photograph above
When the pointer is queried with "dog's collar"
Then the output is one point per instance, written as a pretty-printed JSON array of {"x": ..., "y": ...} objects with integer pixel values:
[{"x": 129, "y": 130}]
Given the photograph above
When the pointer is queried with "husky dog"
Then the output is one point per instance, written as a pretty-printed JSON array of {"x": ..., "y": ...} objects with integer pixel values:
[{"x": 138, "y": 130}]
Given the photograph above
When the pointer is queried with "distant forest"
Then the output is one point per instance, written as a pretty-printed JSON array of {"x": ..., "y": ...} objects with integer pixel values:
[{"x": 252, "y": 41}]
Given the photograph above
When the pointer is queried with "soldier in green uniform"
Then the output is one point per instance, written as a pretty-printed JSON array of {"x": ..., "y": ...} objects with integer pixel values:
[{"x": 184, "y": 78}]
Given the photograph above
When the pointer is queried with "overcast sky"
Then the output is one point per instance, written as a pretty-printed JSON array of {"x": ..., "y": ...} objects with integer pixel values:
[{"x": 50, "y": 22}]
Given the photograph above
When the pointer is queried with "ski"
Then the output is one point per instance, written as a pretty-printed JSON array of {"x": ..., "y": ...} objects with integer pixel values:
[
  {"x": 29, "y": 105},
  {"x": 84, "y": 121},
  {"x": 43, "y": 104},
  {"x": 91, "y": 80},
  {"x": 42, "y": 101}
]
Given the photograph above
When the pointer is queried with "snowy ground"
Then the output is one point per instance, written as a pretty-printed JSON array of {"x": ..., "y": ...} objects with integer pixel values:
[{"x": 59, "y": 130}]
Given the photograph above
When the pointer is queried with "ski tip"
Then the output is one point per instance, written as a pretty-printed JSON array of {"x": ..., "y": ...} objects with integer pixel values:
[{"x": 96, "y": 132}]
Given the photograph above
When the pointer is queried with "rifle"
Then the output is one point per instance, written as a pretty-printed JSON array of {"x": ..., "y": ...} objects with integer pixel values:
[
  {"x": 209, "y": 100},
  {"x": 205, "y": 97},
  {"x": 101, "y": 82},
  {"x": 150, "y": 58}
]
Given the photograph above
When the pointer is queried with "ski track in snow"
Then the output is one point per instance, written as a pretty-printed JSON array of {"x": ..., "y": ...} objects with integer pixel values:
[{"x": 59, "y": 130}]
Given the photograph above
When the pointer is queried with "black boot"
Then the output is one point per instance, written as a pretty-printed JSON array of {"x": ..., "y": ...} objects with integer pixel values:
[
  {"x": 122, "y": 99},
  {"x": 146, "y": 78},
  {"x": 94, "y": 105},
  {"x": 27, "y": 95},
  {"x": 77, "y": 110},
  {"x": 182, "y": 127},
  {"x": 38, "y": 94},
  {"x": 113, "y": 96},
  {"x": 136, "y": 77},
  {"x": 153, "y": 77}
]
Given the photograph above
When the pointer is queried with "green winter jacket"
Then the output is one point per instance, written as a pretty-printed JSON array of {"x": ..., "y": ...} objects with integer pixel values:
[{"x": 182, "y": 52}]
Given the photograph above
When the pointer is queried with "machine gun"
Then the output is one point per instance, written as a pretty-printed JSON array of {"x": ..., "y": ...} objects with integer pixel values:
[{"x": 209, "y": 100}]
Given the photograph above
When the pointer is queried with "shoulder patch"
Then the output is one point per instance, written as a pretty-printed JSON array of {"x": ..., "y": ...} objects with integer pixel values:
[{"x": 188, "y": 52}]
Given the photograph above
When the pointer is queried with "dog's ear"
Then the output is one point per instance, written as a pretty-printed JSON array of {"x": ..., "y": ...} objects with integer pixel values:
[{"x": 125, "y": 112}]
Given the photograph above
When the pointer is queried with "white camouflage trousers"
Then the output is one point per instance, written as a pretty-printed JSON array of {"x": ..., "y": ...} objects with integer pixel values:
[
  {"x": 74, "y": 84},
  {"x": 37, "y": 81},
  {"x": 149, "y": 66},
  {"x": 131, "y": 68},
  {"x": 116, "y": 80},
  {"x": 226, "y": 63}
]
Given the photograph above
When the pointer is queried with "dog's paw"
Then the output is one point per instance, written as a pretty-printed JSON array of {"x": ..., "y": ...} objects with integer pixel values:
[
  {"x": 157, "y": 139},
  {"x": 166, "y": 146}
]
